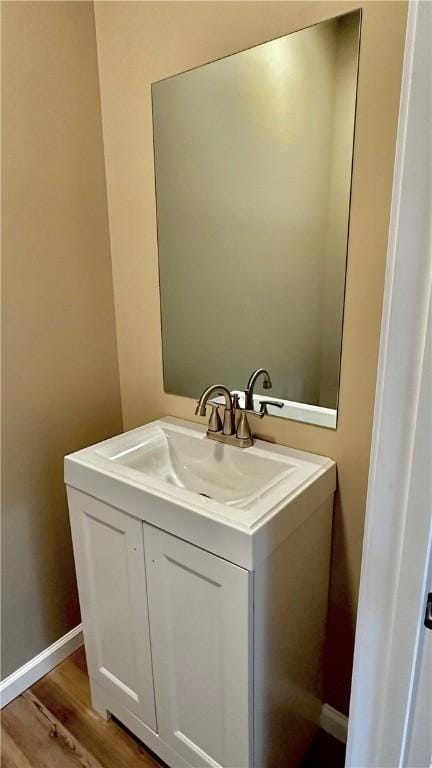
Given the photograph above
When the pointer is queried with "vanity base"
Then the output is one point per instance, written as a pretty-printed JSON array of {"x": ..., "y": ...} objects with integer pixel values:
[
  {"x": 271, "y": 695},
  {"x": 106, "y": 704},
  {"x": 204, "y": 630}
]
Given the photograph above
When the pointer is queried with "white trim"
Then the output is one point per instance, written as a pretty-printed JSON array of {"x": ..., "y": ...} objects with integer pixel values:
[
  {"x": 398, "y": 521},
  {"x": 334, "y": 722},
  {"x": 304, "y": 412},
  {"x": 40, "y": 665}
]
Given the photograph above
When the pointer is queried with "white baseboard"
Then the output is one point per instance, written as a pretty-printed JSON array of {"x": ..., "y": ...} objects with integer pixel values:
[
  {"x": 40, "y": 665},
  {"x": 334, "y": 723},
  {"x": 331, "y": 721}
]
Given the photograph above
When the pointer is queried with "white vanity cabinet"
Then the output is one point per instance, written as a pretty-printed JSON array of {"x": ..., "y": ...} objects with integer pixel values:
[
  {"x": 200, "y": 646},
  {"x": 176, "y": 637},
  {"x": 204, "y": 625}
]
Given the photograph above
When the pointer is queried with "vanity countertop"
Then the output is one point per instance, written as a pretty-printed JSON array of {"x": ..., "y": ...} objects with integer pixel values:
[{"x": 238, "y": 503}]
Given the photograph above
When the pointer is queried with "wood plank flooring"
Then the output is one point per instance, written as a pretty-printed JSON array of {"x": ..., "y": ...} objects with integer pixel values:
[{"x": 52, "y": 725}]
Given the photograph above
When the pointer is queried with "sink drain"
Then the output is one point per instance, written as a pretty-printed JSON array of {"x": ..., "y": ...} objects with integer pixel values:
[{"x": 206, "y": 496}]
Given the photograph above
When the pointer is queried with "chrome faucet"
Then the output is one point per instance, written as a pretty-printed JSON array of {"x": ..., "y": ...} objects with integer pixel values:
[
  {"x": 249, "y": 393},
  {"x": 215, "y": 424},
  {"x": 228, "y": 432},
  {"x": 253, "y": 378}
]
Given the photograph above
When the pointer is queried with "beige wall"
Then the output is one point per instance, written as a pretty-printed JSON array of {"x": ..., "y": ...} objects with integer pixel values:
[
  {"x": 142, "y": 42},
  {"x": 60, "y": 383}
]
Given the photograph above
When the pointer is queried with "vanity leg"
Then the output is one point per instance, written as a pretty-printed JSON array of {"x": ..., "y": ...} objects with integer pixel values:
[{"x": 98, "y": 700}]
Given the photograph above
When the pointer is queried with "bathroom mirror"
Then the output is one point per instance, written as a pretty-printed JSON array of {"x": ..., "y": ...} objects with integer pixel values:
[{"x": 253, "y": 158}]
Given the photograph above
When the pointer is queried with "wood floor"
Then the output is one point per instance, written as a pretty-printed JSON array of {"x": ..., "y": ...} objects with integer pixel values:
[{"x": 52, "y": 725}]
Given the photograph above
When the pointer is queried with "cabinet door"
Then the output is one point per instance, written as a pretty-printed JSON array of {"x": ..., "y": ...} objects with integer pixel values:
[
  {"x": 109, "y": 557},
  {"x": 200, "y": 629}
]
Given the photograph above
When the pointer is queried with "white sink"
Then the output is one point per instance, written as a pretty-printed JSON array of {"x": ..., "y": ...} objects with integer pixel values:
[
  {"x": 169, "y": 473},
  {"x": 229, "y": 475}
]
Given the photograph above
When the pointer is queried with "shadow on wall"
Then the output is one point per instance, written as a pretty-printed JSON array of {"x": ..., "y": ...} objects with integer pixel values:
[{"x": 341, "y": 618}]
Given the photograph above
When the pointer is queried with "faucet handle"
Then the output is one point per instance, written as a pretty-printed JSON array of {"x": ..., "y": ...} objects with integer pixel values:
[
  {"x": 273, "y": 403},
  {"x": 215, "y": 421},
  {"x": 243, "y": 428}
]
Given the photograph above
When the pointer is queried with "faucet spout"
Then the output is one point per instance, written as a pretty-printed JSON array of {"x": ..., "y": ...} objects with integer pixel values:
[
  {"x": 218, "y": 389},
  {"x": 249, "y": 391}
]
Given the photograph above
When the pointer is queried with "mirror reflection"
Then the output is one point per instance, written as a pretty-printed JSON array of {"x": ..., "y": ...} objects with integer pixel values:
[{"x": 253, "y": 157}]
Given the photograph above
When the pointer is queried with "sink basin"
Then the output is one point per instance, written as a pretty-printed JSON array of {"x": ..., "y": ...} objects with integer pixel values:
[
  {"x": 174, "y": 461},
  {"x": 229, "y": 475},
  {"x": 238, "y": 503}
]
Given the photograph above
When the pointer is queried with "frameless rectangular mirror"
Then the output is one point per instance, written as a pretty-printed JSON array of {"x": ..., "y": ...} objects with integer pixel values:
[{"x": 253, "y": 157}]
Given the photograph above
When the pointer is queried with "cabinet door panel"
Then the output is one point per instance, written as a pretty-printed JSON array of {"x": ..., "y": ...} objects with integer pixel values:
[
  {"x": 199, "y": 619},
  {"x": 109, "y": 555}
]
